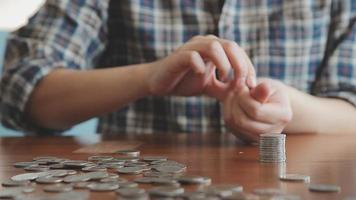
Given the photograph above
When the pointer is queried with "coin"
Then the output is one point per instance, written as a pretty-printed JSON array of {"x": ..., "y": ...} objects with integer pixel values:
[
  {"x": 189, "y": 179},
  {"x": 76, "y": 178},
  {"x": 170, "y": 169},
  {"x": 272, "y": 148},
  {"x": 58, "y": 188},
  {"x": 12, "y": 183},
  {"x": 48, "y": 180},
  {"x": 36, "y": 168},
  {"x": 165, "y": 181},
  {"x": 324, "y": 188},
  {"x": 128, "y": 184},
  {"x": 268, "y": 191},
  {"x": 76, "y": 164},
  {"x": 129, "y": 152},
  {"x": 96, "y": 175},
  {"x": 81, "y": 185},
  {"x": 130, "y": 192},
  {"x": 295, "y": 177},
  {"x": 24, "y": 164},
  {"x": 130, "y": 170},
  {"x": 26, "y": 176},
  {"x": 12, "y": 193},
  {"x": 222, "y": 190},
  {"x": 154, "y": 158},
  {"x": 71, "y": 195},
  {"x": 103, "y": 187},
  {"x": 144, "y": 180},
  {"x": 94, "y": 169},
  {"x": 166, "y": 191},
  {"x": 100, "y": 158}
]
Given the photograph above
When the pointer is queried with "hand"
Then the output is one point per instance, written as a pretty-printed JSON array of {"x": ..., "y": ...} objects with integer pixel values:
[
  {"x": 190, "y": 70},
  {"x": 264, "y": 109}
]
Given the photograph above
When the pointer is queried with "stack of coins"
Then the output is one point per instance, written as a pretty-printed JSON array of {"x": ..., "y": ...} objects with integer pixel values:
[{"x": 272, "y": 147}]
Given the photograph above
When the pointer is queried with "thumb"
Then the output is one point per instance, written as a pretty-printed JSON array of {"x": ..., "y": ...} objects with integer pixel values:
[{"x": 261, "y": 92}]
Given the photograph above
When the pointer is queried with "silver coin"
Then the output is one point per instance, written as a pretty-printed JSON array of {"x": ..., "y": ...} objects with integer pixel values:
[
  {"x": 96, "y": 175},
  {"x": 59, "y": 172},
  {"x": 12, "y": 193},
  {"x": 165, "y": 181},
  {"x": 222, "y": 190},
  {"x": 24, "y": 164},
  {"x": 100, "y": 158},
  {"x": 128, "y": 184},
  {"x": 44, "y": 157},
  {"x": 131, "y": 153},
  {"x": 195, "y": 195},
  {"x": 144, "y": 180},
  {"x": 27, "y": 176},
  {"x": 154, "y": 158},
  {"x": 81, "y": 185},
  {"x": 57, "y": 166},
  {"x": 295, "y": 177},
  {"x": 324, "y": 188},
  {"x": 48, "y": 180},
  {"x": 130, "y": 192},
  {"x": 126, "y": 159},
  {"x": 246, "y": 196},
  {"x": 75, "y": 195},
  {"x": 11, "y": 183},
  {"x": 130, "y": 170},
  {"x": 170, "y": 169},
  {"x": 76, "y": 164},
  {"x": 94, "y": 169},
  {"x": 166, "y": 191},
  {"x": 103, "y": 187},
  {"x": 136, "y": 164},
  {"x": 159, "y": 174},
  {"x": 189, "y": 179},
  {"x": 76, "y": 178},
  {"x": 36, "y": 168},
  {"x": 58, "y": 188},
  {"x": 268, "y": 191}
]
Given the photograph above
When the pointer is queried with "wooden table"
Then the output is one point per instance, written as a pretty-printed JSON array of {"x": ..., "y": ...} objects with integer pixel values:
[{"x": 327, "y": 159}]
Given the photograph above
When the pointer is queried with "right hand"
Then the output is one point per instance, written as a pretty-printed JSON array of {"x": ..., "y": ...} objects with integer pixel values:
[
  {"x": 190, "y": 70},
  {"x": 264, "y": 109}
]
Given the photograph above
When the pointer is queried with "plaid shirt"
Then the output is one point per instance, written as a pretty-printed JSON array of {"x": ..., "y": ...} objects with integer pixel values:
[{"x": 285, "y": 39}]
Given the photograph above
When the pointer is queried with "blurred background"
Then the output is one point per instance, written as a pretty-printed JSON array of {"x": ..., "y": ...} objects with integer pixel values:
[{"x": 12, "y": 17}]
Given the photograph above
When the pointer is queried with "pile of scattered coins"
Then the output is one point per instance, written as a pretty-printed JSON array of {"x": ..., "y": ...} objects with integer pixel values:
[{"x": 65, "y": 179}]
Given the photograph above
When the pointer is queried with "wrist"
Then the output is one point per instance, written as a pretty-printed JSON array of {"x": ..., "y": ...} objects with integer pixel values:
[{"x": 143, "y": 74}]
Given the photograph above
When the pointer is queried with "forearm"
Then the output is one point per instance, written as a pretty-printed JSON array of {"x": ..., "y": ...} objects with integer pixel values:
[
  {"x": 320, "y": 115},
  {"x": 66, "y": 97}
]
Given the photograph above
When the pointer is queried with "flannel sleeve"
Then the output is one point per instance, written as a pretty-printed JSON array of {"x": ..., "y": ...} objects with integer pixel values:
[{"x": 63, "y": 33}]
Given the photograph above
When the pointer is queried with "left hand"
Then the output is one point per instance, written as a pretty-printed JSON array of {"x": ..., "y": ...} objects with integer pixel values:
[{"x": 263, "y": 109}]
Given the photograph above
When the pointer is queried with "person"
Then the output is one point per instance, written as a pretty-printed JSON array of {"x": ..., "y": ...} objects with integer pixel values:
[{"x": 165, "y": 66}]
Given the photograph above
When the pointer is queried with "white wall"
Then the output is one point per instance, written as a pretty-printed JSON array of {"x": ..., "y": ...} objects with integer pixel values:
[{"x": 14, "y": 13}]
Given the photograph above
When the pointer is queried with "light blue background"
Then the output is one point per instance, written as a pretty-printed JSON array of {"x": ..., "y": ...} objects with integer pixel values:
[{"x": 86, "y": 128}]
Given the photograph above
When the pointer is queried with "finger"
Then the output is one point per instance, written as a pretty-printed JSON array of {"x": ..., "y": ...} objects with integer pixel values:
[
  {"x": 270, "y": 113},
  {"x": 243, "y": 121},
  {"x": 236, "y": 123},
  {"x": 236, "y": 58},
  {"x": 195, "y": 61},
  {"x": 227, "y": 108},
  {"x": 262, "y": 92},
  {"x": 212, "y": 49},
  {"x": 251, "y": 74}
]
